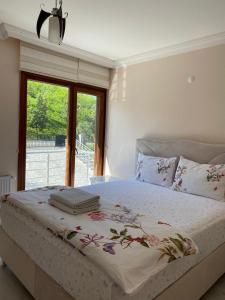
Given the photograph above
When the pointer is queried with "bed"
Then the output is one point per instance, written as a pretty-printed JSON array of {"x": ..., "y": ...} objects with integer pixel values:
[{"x": 50, "y": 268}]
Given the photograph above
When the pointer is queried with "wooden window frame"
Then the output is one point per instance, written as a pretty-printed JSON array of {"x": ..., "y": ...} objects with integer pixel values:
[{"x": 74, "y": 88}]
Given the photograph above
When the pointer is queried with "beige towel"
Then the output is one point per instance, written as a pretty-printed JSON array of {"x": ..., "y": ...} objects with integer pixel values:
[
  {"x": 73, "y": 211},
  {"x": 75, "y": 198}
]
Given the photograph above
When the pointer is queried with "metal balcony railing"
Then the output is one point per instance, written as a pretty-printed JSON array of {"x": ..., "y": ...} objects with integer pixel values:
[{"x": 45, "y": 164}]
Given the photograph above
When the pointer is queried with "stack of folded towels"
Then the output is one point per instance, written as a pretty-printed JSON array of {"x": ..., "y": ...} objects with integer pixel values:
[{"x": 75, "y": 201}]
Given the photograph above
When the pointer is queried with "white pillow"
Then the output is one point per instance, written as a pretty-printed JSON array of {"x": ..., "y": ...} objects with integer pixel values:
[
  {"x": 156, "y": 170},
  {"x": 200, "y": 179}
]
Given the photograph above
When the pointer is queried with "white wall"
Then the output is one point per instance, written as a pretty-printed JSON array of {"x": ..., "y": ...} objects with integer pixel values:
[
  {"x": 155, "y": 99},
  {"x": 9, "y": 107}
]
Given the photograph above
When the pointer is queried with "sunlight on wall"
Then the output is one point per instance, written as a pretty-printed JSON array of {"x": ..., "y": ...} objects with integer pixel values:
[
  {"x": 107, "y": 170},
  {"x": 113, "y": 92},
  {"x": 118, "y": 89},
  {"x": 117, "y": 99},
  {"x": 124, "y": 83}
]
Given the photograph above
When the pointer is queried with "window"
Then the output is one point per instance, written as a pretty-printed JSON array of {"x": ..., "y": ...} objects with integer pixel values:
[{"x": 62, "y": 129}]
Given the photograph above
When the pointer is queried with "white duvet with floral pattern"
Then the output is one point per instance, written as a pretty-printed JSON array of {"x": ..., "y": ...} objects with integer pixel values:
[{"x": 129, "y": 246}]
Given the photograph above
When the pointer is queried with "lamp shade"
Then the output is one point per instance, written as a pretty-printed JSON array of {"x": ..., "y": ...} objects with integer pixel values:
[{"x": 54, "y": 30}]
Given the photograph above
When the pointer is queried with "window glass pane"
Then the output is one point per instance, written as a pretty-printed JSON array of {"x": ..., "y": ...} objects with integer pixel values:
[
  {"x": 47, "y": 119},
  {"x": 85, "y": 138}
]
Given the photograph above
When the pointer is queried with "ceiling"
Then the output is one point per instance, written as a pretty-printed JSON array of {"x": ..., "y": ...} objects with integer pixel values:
[{"x": 119, "y": 29}]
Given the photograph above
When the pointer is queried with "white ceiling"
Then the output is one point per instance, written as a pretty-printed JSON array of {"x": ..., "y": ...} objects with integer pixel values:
[{"x": 119, "y": 29}]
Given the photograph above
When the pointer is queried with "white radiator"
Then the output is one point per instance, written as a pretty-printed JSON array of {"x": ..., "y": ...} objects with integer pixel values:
[{"x": 5, "y": 185}]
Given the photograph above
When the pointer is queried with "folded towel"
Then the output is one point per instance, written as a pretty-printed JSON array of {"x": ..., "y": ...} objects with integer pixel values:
[
  {"x": 73, "y": 211},
  {"x": 75, "y": 198}
]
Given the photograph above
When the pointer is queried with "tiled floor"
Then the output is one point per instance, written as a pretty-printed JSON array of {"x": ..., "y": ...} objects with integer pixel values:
[
  {"x": 217, "y": 292},
  {"x": 11, "y": 289}
]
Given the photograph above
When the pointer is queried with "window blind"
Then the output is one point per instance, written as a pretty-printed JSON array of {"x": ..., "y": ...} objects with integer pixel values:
[{"x": 41, "y": 61}]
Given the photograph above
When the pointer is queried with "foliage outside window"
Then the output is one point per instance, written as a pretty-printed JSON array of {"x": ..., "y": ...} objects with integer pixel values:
[{"x": 47, "y": 113}]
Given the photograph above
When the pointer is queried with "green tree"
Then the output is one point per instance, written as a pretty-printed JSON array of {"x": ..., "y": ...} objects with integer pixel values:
[
  {"x": 86, "y": 117},
  {"x": 47, "y": 112},
  {"x": 55, "y": 110},
  {"x": 39, "y": 119}
]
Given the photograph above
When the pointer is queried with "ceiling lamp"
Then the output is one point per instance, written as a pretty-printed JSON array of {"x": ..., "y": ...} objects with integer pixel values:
[{"x": 57, "y": 24}]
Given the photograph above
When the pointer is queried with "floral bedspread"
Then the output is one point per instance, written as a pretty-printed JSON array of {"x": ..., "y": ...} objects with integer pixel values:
[{"x": 129, "y": 246}]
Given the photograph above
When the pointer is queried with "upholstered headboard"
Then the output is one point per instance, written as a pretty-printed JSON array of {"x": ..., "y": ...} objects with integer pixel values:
[{"x": 196, "y": 151}]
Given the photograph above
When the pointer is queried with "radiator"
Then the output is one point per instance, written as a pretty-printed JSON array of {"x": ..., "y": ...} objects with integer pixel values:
[{"x": 5, "y": 184}]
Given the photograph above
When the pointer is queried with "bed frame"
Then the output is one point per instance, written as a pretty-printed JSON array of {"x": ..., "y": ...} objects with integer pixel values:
[{"x": 42, "y": 287}]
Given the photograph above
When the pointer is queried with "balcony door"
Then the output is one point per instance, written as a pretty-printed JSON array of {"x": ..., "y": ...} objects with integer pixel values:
[{"x": 62, "y": 127}]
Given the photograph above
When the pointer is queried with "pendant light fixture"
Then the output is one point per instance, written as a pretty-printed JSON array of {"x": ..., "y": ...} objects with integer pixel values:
[{"x": 57, "y": 23}]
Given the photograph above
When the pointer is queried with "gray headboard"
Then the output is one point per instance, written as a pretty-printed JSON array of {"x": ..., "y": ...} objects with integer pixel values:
[{"x": 196, "y": 151}]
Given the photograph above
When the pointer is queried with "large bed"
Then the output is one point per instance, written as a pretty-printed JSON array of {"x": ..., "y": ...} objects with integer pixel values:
[{"x": 50, "y": 268}]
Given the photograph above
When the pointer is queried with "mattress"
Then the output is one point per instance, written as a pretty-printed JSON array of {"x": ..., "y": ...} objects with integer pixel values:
[{"x": 202, "y": 218}]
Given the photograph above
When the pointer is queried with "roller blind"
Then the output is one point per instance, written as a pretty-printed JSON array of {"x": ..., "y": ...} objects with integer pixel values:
[
  {"x": 46, "y": 62},
  {"x": 93, "y": 74}
]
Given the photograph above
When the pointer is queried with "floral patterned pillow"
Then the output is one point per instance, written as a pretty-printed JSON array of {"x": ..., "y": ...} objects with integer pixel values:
[
  {"x": 205, "y": 180},
  {"x": 156, "y": 170}
]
